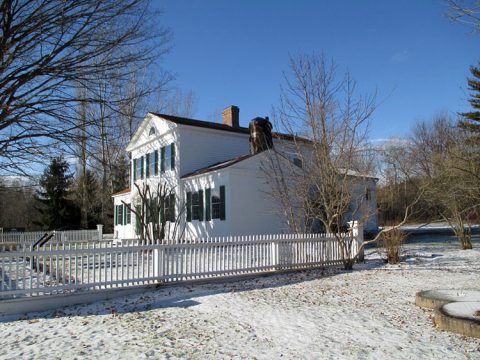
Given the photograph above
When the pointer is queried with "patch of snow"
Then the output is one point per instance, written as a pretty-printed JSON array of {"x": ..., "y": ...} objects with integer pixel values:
[
  {"x": 467, "y": 310},
  {"x": 368, "y": 313},
  {"x": 456, "y": 295}
]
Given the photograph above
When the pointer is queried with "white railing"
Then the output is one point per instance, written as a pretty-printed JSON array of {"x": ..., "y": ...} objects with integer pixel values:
[
  {"x": 57, "y": 268},
  {"x": 57, "y": 236}
]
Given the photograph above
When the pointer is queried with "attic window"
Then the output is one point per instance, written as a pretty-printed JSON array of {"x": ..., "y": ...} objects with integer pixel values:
[{"x": 152, "y": 131}]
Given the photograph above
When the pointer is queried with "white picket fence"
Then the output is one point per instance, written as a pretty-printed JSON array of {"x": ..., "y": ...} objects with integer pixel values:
[
  {"x": 58, "y": 236},
  {"x": 84, "y": 266}
]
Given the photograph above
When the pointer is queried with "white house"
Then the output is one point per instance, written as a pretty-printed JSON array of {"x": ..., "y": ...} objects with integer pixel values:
[{"x": 218, "y": 185}]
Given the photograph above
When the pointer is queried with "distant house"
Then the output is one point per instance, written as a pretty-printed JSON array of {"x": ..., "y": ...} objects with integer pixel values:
[{"x": 219, "y": 185}]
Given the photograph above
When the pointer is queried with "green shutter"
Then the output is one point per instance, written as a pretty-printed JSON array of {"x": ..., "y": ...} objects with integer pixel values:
[
  {"x": 172, "y": 154},
  {"x": 156, "y": 162},
  {"x": 134, "y": 169},
  {"x": 162, "y": 159},
  {"x": 116, "y": 215},
  {"x": 172, "y": 207},
  {"x": 138, "y": 222},
  {"x": 141, "y": 166},
  {"x": 189, "y": 206},
  {"x": 222, "y": 202},
  {"x": 200, "y": 205},
  {"x": 147, "y": 166},
  {"x": 208, "y": 199},
  {"x": 124, "y": 214}
]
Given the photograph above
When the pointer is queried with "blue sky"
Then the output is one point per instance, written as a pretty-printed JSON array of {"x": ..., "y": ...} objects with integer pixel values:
[{"x": 234, "y": 52}]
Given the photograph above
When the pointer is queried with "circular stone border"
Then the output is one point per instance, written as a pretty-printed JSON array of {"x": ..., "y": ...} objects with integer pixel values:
[
  {"x": 433, "y": 299},
  {"x": 465, "y": 325}
]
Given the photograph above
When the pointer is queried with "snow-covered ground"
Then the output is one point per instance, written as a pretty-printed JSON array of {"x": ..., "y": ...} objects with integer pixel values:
[{"x": 368, "y": 313}]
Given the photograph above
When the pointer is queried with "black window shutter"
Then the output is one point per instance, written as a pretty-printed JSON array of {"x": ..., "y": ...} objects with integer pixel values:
[
  {"x": 172, "y": 158},
  {"x": 134, "y": 169},
  {"x": 200, "y": 205},
  {"x": 116, "y": 214},
  {"x": 141, "y": 167},
  {"x": 208, "y": 216},
  {"x": 138, "y": 220},
  {"x": 147, "y": 165},
  {"x": 162, "y": 159},
  {"x": 222, "y": 202},
  {"x": 124, "y": 214},
  {"x": 189, "y": 206},
  {"x": 172, "y": 207},
  {"x": 156, "y": 162}
]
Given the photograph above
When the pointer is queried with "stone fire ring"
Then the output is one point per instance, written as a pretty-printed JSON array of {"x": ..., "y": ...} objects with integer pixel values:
[
  {"x": 433, "y": 299},
  {"x": 460, "y": 317},
  {"x": 455, "y": 310}
]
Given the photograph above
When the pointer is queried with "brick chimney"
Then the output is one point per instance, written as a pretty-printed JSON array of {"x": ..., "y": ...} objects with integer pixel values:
[{"x": 231, "y": 116}]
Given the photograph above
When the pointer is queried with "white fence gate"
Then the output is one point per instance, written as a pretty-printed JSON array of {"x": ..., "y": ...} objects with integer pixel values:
[{"x": 82, "y": 266}]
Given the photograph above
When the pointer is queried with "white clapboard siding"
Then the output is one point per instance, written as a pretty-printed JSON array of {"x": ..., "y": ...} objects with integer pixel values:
[{"x": 62, "y": 267}]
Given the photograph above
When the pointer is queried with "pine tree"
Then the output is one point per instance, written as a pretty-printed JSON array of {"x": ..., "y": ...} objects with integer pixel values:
[
  {"x": 471, "y": 120},
  {"x": 86, "y": 195},
  {"x": 57, "y": 210}
]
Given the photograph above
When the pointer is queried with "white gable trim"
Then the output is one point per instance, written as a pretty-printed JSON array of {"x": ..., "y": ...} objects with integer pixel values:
[{"x": 145, "y": 126}]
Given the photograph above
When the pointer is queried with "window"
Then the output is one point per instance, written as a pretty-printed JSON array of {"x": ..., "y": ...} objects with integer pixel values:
[
  {"x": 297, "y": 162},
  {"x": 218, "y": 203},
  {"x": 119, "y": 213},
  {"x": 138, "y": 168},
  {"x": 123, "y": 214},
  {"x": 195, "y": 206},
  {"x": 152, "y": 164},
  {"x": 368, "y": 194},
  {"x": 128, "y": 215},
  {"x": 168, "y": 209},
  {"x": 152, "y": 131},
  {"x": 167, "y": 157},
  {"x": 214, "y": 203}
]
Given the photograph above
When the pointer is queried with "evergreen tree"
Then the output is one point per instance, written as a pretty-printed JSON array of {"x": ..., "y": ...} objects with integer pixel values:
[
  {"x": 57, "y": 211},
  {"x": 120, "y": 175},
  {"x": 86, "y": 194},
  {"x": 471, "y": 120}
]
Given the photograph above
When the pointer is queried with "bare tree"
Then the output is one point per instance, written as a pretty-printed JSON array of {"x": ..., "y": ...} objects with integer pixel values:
[
  {"x": 155, "y": 213},
  {"x": 50, "y": 47},
  {"x": 321, "y": 177},
  {"x": 465, "y": 12},
  {"x": 450, "y": 173}
]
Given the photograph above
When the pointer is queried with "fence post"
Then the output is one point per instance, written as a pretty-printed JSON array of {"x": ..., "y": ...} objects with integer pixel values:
[
  {"x": 274, "y": 253},
  {"x": 157, "y": 263},
  {"x": 357, "y": 232},
  {"x": 100, "y": 232}
]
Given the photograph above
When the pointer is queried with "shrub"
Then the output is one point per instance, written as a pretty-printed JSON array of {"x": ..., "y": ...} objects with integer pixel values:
[{"x": 392, "y": 242}]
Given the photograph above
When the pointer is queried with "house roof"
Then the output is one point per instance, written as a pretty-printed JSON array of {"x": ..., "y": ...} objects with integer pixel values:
[
  {"x": 223, "y": 127},
  {"x": 202, "y": 123},
  {"x": 121, "y": 192},
  {"x": 218, "y": 166}
]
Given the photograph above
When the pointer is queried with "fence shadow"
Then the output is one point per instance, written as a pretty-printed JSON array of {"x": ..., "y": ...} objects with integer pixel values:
[{"x": 185, "y": 295}]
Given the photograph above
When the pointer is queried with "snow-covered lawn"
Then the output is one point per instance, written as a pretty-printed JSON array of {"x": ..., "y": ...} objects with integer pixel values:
[{"x": 320, "y": 314}]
